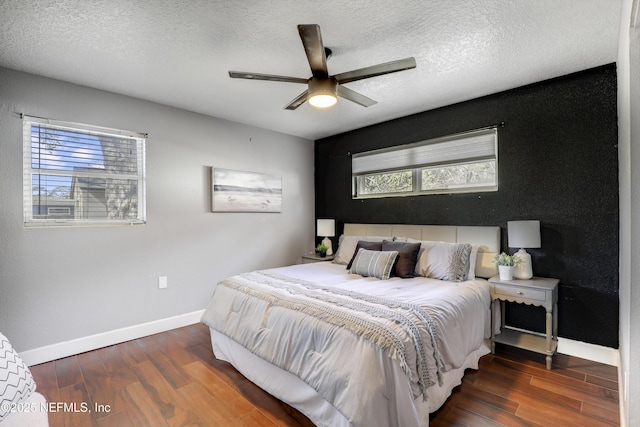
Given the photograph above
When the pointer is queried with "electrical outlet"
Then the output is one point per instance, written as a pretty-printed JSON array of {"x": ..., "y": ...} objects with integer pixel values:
[{"x": 162, "y": 282}]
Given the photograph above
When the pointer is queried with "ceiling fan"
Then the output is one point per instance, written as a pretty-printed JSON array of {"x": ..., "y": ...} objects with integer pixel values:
[{"x": 324, "y": 89}]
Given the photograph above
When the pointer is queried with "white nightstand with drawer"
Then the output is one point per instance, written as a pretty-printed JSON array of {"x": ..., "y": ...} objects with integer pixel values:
[{"x": 537, "y": 291}]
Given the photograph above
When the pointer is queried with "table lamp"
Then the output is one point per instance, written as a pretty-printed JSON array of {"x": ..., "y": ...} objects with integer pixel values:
[
  {"x": 523, "y": 234},
  {"x": 326, "y": 228}
]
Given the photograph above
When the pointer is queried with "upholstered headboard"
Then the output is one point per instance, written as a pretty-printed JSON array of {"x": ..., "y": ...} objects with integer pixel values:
[{"x": 487, "y": 238}]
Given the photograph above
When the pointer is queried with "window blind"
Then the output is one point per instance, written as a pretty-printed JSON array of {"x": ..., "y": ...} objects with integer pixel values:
[
  {"x": 81, "y": 174},
  {"x": 459, "y": 148}
]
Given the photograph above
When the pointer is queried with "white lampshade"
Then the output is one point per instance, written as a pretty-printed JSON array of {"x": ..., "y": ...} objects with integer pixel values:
[
  {"x": 524, "y": 234},
  {"x": 326, "y": 227}
]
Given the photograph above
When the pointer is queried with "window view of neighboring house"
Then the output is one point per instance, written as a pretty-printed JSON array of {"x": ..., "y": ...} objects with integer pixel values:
[{"x": 78, "y": 174}]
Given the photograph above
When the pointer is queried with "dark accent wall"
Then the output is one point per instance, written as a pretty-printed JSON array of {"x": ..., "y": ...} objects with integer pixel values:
[{"x": 557, "y": 162}]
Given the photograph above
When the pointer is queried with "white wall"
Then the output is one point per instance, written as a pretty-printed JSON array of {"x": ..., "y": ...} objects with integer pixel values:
[
  {"x": 629, "y": 168},
  {"x": 61, "y": 284}
]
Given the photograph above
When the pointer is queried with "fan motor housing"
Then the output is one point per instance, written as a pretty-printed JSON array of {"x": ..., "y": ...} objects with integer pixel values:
[{"x": 328, "y": 86}]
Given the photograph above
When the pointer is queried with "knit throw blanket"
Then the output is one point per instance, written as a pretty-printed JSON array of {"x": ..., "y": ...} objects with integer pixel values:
[{"x": 365, "y": 315}]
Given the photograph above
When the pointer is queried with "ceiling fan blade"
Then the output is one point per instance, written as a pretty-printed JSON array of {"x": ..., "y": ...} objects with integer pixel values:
[
  {"x": 313, "y": 47},
  {"x": 354, "y": 96},
  {"x": 270, "y": 77},
  {"x": 298, "y": 101},
  {"x": 376, "y": 70}
]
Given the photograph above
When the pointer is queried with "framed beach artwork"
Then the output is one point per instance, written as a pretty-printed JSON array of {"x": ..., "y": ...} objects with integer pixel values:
[{"x": 241, "y": 191}]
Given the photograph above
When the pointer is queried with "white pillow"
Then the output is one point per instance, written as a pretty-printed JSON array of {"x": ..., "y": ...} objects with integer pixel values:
[
  {"x": 444, "y": 261},
  {"x": 472, "y": 262},
  {"x": 347, "y": 246},
  {"x": 374, "y": 263},
  {"x": 16, "y": 382}
]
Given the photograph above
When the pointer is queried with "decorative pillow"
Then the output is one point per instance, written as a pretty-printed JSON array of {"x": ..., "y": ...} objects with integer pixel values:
[
  {"x": 16, "y": 382},
  {"x": 347, "y": 247},
  {"x": 473, "y": 256},
  {"x": 444, "y": 261},
  {"x": 374, "y": 263},
  {"x": 407, "y": 257},
  {"x": 372, "y": 246}
]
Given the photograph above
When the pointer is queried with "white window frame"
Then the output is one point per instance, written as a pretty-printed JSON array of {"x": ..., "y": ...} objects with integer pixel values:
[
  {"x": 30, "y": 170},
  {"x": 478, "y": 146}
]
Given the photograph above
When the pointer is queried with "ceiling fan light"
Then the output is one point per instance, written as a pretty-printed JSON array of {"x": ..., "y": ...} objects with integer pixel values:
[
  {"x": 322, "y": 92},
  {"x": 323, "y": 100}
]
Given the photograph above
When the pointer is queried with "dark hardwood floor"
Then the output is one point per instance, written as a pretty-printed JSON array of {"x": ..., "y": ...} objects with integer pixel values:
[{"x": 173, "y": 379}]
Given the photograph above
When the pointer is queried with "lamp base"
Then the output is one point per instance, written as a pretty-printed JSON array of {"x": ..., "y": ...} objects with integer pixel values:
[
  {"x": 327, "y": 242},
  {"x": 524, "y": 270}
]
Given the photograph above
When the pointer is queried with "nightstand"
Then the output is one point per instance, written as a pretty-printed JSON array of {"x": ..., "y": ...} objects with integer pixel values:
[
  {"x": 537, "y": 291},
  {"x": 313, "y": 257}
]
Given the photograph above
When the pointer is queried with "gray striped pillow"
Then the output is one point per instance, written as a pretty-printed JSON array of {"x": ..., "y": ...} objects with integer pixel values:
[{"x": 374, "y": 263}]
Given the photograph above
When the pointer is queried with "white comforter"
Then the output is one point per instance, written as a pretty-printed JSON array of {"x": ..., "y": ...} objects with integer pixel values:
[{"x": 367, "y": 384}]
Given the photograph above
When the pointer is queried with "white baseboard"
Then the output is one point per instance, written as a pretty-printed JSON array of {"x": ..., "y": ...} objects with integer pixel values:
[
  {"x": 623, "y": 393},
  {"x": 593, "y": 352},
  {"x": 92, "y": 342}
]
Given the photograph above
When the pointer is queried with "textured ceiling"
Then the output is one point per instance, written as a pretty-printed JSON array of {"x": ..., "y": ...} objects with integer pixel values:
[{"x": 179, "y": 52}]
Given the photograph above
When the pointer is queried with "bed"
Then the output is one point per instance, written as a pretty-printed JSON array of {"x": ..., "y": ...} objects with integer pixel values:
[{"x": 381, "y": 341}]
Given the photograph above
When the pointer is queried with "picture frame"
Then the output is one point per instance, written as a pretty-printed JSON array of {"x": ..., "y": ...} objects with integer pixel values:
[{"x": 244, "y": 191}]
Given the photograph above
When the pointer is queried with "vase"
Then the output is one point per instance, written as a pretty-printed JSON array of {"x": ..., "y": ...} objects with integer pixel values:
[{"x": 506, "y": 272}]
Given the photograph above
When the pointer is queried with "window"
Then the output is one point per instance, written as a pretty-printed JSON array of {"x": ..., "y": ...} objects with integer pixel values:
[
  {"x": 461, "y": 163},
  {"x": 386, "y": 182},
  {"x": 82, "y": 175}
]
